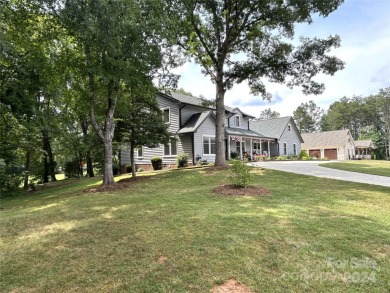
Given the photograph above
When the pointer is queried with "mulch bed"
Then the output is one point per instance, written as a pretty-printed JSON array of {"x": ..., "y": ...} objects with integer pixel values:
[
  {"x": 120, "y": 185},
  {"x": 241, "y": 191}
]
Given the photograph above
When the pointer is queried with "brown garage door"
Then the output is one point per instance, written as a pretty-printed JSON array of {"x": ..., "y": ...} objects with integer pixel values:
[
  {"x": 315, "y": 153},
  {"x": 331, "y": 154}
]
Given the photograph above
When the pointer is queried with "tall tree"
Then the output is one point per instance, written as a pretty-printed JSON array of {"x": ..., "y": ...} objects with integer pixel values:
[
  {"x": 268, "y": 114},
  {"x": 235, "y": 41},
  {"x": 308, "y": 117},
  {"x": 119, "y": 47}
]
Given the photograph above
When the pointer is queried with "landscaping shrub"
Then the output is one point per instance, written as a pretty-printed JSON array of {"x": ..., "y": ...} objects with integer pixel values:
[
  {"x": 115, "y": 168},
  {"x": 156, "y": 163},
  {"x": 241, "y": 173},
  {"x": 234, "y": 155},
  {"x": 182, "y": 160},
  {"x": 202, "y": 162},
  {"x": 303, "y": 155}
]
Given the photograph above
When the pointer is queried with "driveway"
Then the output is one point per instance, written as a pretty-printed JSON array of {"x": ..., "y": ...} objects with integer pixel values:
[{"x": 312, "y": 168}]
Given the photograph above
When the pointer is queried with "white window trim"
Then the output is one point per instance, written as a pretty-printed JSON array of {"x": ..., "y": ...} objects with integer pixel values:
[
  {"x": 142, "y": 151},
  {"x": 169, "y": 114},
  {"x": 285, "y": 153},
  {"x": 209, "y": 136},
  {"x": 170, "y": 149}
]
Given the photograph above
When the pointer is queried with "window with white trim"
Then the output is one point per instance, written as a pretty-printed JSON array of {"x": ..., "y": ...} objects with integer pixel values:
[
  {"x": 139, "y": 152},
  {"x": 209, "y": 147},
  {"x": 256, "y": 147},
  {"x": 285, "y": 148},
  {"x": 295, "y": 149},
  {"x": 170, "y": 149},
  {"x": 237, "y": 121},
  {"x": 166, "y": 115}
]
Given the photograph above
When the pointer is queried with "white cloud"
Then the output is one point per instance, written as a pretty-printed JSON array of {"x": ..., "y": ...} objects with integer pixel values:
[{"x": 364, "y": 28}]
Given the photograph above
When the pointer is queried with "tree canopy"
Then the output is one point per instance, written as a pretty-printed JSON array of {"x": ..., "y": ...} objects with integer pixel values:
[{"x": 236, "y": 41}]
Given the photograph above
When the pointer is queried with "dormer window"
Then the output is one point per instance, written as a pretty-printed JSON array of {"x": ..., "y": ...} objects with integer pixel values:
[{"x": 237, "y": 121}]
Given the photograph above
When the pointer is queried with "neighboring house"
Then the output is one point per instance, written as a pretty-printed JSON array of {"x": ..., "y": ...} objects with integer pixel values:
[
  {"x": 334, "y": 145},
  {"x": 193, "y": 132},
  {"x": 363, "y": 149},
  {"x": 288, "y": 138}
]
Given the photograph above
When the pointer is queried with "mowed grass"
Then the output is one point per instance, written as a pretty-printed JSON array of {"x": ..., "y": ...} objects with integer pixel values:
[
  {"x": 362, "y": 166},
  {"x": 170, "y": 233}
]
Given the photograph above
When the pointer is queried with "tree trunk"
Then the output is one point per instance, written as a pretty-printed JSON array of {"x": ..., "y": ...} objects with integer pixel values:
[
  {"x": 133, "y": 171},
  {"x": 49, "y": 164},
  {"x": 220, "y": 159},
  {"x": 108, "y": 176},
  {"x": 89, "y": 165},
  {"x": 27, "y": 169}
]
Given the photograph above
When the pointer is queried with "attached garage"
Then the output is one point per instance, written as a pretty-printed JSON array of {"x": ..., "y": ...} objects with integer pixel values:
[
  {"x": 331, "y": 154},
  {"x": 315, "y": 153}
]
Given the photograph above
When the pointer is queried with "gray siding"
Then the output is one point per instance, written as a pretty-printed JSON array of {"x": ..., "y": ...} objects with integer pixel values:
[
  {"x": 289, "y": 137},
  {"x": 188, "y": 110},
  {"x": 207, "y": 128},
  {"x": 243, "y": 120}
]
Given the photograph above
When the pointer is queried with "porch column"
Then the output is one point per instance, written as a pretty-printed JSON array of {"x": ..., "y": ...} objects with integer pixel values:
[
  {"x": 261, "y": 148},
  {"x": 241, "y": 148},
  {"x": 269, "y": 151},
  {"x": 228, "y": 146},
  {"x": 251, "y": 149}
]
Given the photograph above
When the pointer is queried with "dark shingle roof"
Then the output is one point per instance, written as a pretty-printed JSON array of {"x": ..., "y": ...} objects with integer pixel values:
[
  {"x": 270, "y": 127},
  {"x": 244, "y": 132},
  {"x": 194, "y": 122},
  {"x": 186, "y": 99}
]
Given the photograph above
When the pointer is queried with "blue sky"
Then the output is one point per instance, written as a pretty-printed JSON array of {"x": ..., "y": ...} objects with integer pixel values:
[{"x": 364, "y": 28}]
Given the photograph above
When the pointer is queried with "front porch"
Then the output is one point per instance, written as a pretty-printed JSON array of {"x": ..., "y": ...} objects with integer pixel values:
[{"x": 245, "y": 144}]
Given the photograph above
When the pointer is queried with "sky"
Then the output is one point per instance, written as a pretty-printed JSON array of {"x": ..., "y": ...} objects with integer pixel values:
[{"x": 364, "y": 28}]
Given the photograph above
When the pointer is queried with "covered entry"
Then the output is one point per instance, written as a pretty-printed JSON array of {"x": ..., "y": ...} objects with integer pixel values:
[{"x": 331, "y": 154}]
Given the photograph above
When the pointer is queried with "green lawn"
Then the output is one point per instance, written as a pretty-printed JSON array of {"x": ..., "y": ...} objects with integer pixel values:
[
  {"x": 369, "y": 167},
  {"x": 170, "y": 233}
]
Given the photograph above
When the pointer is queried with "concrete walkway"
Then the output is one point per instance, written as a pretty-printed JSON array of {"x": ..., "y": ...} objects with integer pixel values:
[{"x": 312, "y": 168}]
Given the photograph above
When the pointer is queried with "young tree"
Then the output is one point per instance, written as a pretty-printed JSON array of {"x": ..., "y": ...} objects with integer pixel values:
[
  {"x": 235, "y": 41},
  {"x": 268, "y": 114}
]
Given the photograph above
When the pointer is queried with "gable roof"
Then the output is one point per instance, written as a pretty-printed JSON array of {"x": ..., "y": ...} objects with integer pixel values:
[
  {"x": 231, "y": 109},
  {"x": 364, "y": 143},
  {"x": 194, "y": 122},
  {"x": 245, "y": 132},
  {"x": 273, "y": 127},
  {"x": 326, "y": 139}
]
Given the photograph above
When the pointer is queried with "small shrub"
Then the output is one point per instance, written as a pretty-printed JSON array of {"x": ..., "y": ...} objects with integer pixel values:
[
  {"x": 202, "y": 162},
  {"x": 128, "y": 168},
  {"x": 303, "y": 155},
  {"x": 281, "y": 158},
  {"x": 324, "y": 159},
  {"x": 115, "y": 168},
  {"x": 241, "y": 173},
  {"x": 234, "y": 155},
  {"x": 156, "y": 163},
  {"x": 182, "y": 160}
]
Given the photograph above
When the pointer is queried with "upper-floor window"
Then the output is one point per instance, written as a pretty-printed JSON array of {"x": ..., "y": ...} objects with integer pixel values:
[
  {"x": 166, "y": 115},
  {"x": 170, "y": 149},
  {"x": 285, "y": 148},
  {"x": 237, "y": 121},
  {"x": 289, "y": 128},
  {"x": 139, "y": 152},
  {"x": 208, "y": 145}
]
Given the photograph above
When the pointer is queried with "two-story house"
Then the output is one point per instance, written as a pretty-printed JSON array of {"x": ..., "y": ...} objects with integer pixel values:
[{"x": 193, "y": 132}]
